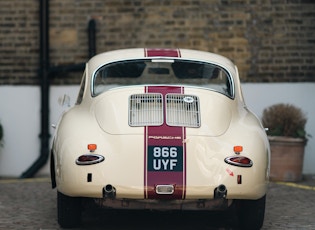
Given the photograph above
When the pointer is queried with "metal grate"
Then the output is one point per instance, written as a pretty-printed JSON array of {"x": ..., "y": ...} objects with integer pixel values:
[
  {"x": 182, "y": 110},
  {"x": 146, "y": 109}
]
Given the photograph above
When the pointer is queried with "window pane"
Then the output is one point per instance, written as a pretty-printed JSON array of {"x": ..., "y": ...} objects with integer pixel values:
[{"x": 163, "y": 71}]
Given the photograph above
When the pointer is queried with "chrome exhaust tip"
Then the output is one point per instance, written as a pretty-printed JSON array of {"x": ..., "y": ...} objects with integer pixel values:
[
  {"x": 220, "y": 192},
  {"x": 109, "y": 191}
]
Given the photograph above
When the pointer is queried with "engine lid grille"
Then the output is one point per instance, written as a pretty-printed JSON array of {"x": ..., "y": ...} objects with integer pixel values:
[
  {"x": 146, "y": 109},
  {"x": 180, "y": 110}
]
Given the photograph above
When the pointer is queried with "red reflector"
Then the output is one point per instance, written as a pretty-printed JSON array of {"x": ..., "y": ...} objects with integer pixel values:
[
  {"x": 88, "y": 159},
  {"x": 239, "y": 179},
  {"x": 239, "y": 161},
  {"x": 242, "y": 160}
]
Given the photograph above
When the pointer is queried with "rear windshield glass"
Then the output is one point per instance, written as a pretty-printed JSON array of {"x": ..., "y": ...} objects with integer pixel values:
[{"x": 161, "y": 71}]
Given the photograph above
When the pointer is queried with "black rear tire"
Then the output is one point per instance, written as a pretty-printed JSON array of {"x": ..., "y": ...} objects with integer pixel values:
[
  {"x": 251, "y": 213},
  {"x": 69, "y": 210}
]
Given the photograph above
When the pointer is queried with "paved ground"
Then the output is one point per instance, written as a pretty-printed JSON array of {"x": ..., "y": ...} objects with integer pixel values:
[{"x": 31, "y": 204}]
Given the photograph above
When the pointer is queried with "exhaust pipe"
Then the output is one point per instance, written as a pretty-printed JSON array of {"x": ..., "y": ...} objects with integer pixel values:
[
  {"x": 109, "y": 191},
  {"x": 220, "y": 192}
]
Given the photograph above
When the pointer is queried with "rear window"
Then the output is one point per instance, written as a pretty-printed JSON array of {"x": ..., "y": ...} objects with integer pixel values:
[{"x": 162, "y": 71}]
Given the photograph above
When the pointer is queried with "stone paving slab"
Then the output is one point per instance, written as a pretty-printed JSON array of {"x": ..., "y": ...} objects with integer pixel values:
[{"x": 31, "y": 204}]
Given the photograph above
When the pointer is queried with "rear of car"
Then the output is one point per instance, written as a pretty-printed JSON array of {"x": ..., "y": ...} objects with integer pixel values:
[{"x": 160, "y": 129}]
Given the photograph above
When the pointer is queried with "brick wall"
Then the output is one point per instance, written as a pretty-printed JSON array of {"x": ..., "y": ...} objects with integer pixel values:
[
  {"x": 19, "y": 42},
  {"x": 269, "y": 40}
]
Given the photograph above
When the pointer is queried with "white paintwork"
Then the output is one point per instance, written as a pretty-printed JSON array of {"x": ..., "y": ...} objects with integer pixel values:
[{"x": 21, "y": 141}]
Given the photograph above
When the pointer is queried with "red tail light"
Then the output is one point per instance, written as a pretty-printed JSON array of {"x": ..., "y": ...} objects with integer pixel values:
[
  {"x": 240, "y": 161},
  {"x": 89, "y": 159}
]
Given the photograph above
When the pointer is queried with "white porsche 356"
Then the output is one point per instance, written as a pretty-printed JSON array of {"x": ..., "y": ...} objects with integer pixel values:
[{"x": 160, "y": 129}]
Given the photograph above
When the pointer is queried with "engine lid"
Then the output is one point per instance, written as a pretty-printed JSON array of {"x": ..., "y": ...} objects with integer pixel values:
[{"x": 127, "y": 110}]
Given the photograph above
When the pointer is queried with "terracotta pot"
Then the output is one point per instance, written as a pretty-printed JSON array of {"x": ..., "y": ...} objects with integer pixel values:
[{"x": 286, "y": 160}]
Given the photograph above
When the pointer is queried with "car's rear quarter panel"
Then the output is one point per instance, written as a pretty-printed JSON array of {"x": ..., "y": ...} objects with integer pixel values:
[{"x": 105, "y": 122}]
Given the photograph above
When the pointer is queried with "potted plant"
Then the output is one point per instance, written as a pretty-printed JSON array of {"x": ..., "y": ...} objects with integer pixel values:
[{"x": 285, "y": 124}]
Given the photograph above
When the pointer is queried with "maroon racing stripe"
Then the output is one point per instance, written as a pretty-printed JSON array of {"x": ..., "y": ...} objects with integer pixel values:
[
  {"x": 161, "y": 52},
  {"x": 165, "y": 154}
]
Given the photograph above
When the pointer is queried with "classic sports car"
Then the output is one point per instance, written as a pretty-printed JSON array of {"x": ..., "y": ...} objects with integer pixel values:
[{"x": 160, "y": 129}]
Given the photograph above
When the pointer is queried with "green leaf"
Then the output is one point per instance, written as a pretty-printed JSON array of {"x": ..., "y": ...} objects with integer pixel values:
[{"x": 301, "y": 133}]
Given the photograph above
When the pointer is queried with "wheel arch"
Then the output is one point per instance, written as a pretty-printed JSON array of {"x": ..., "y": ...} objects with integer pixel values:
[{"x": 52, "y": 170}]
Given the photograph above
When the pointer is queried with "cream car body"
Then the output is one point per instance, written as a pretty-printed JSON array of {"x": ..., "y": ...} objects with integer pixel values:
[{"x": 160, "y": 144}]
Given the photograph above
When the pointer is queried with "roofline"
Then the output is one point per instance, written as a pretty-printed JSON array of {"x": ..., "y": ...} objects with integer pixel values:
[{"x": 136, "y": 53}]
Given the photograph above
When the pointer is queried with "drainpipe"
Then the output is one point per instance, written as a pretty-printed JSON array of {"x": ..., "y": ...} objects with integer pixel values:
[
  {"x": 92, "y": 37},
  {"x": 44, "y": 85},
  {"x": 47, "y": 71}
]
